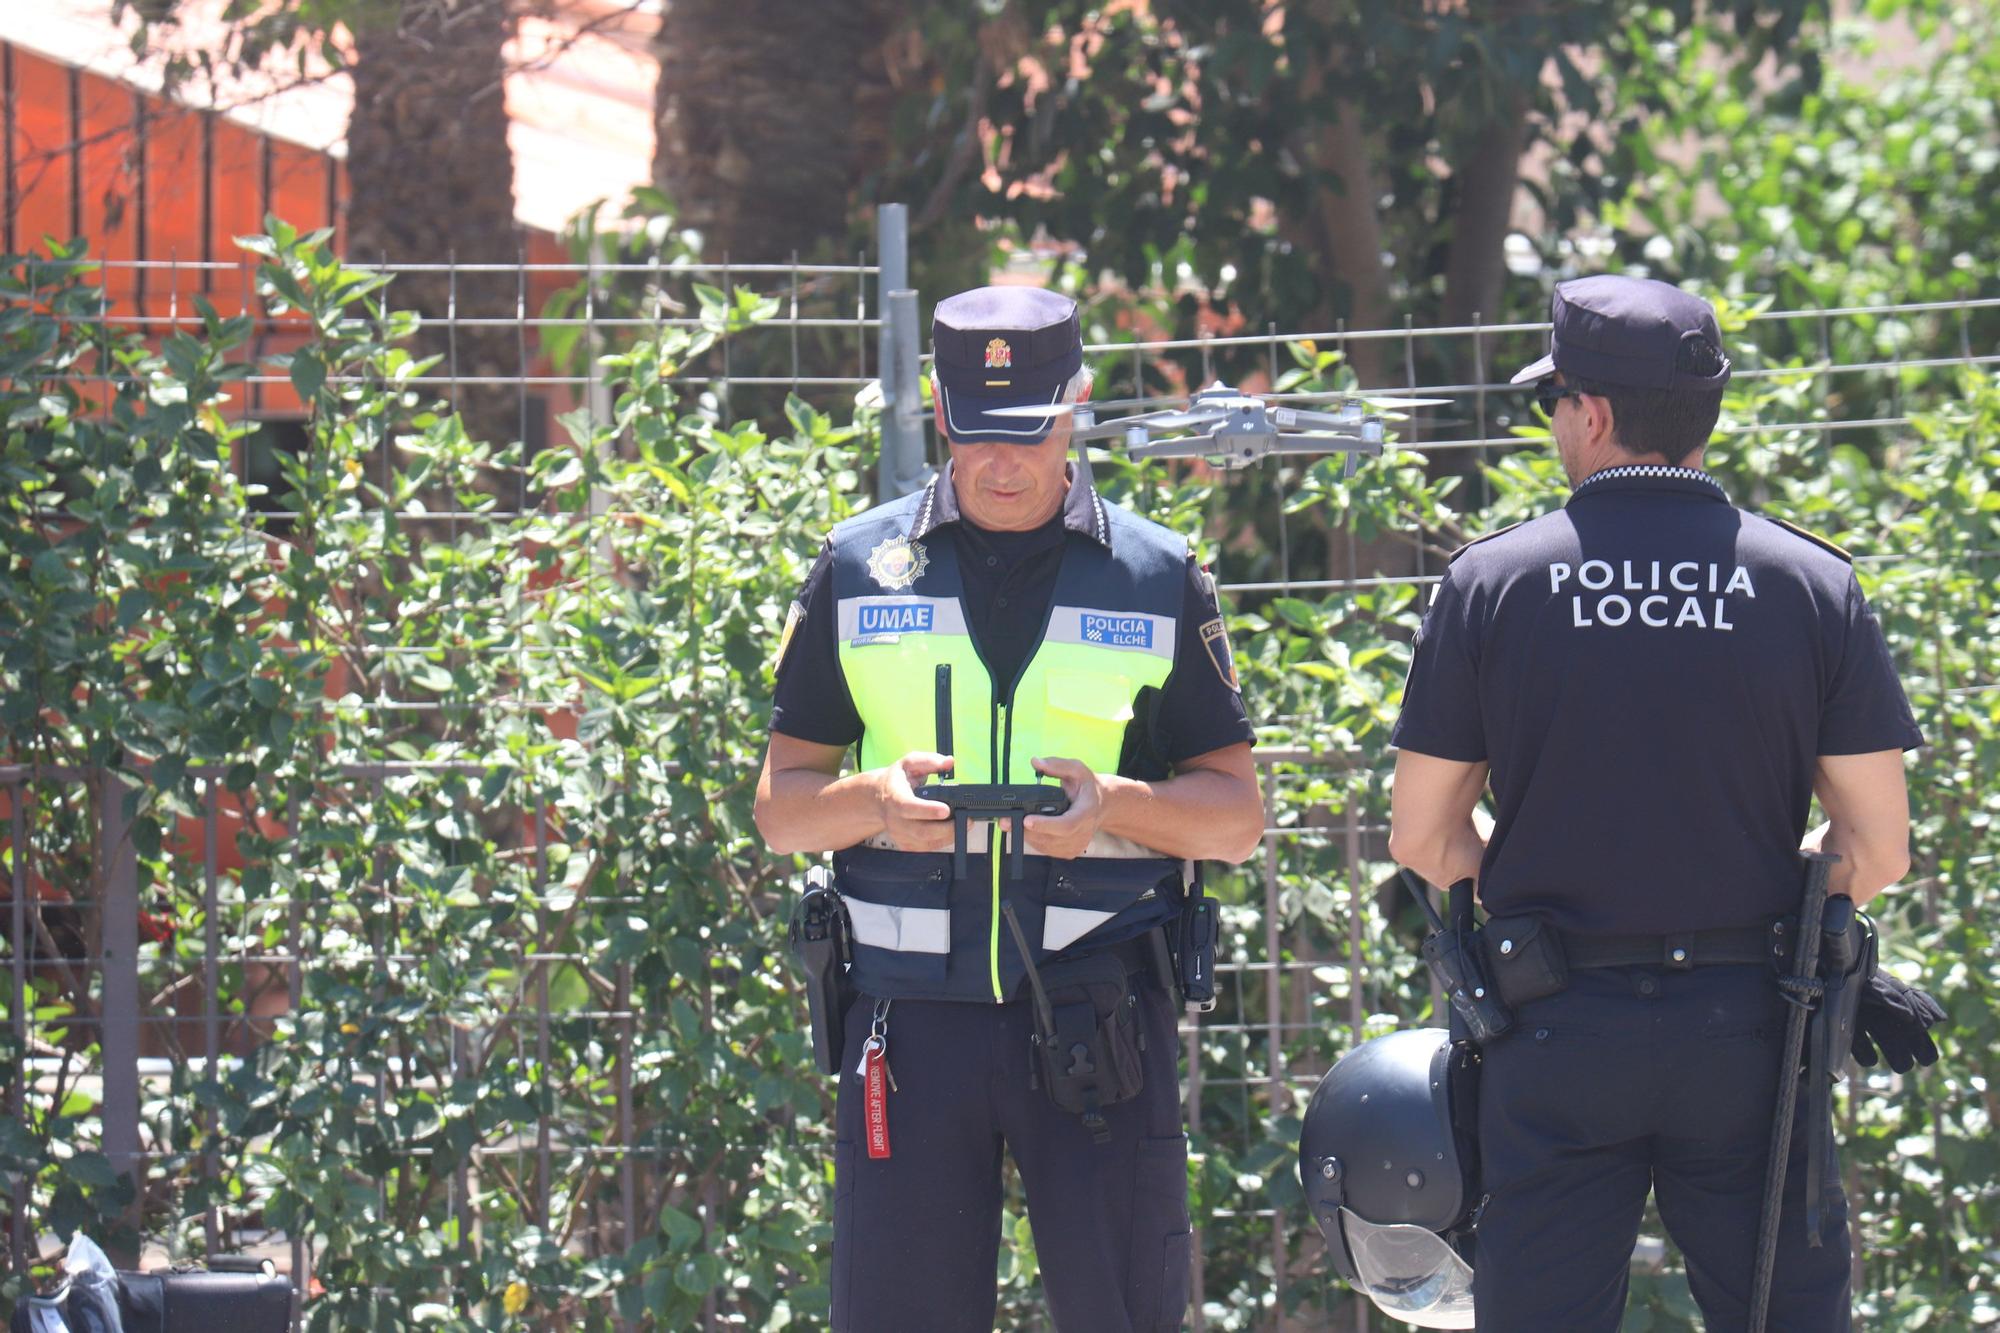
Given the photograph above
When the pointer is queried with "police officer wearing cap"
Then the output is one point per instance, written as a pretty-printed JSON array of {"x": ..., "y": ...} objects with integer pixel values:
[
  {"x": 1084, "y": 647},
  {"x": 1654, "y": 684}
]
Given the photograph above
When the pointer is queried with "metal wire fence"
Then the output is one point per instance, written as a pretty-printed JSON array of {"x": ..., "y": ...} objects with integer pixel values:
[{"x": 169, "y": 1008}]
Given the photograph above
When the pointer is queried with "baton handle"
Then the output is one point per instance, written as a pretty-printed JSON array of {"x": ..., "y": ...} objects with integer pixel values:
[
  {"x": 1423, "y": 897},
  {"x": 1805, "y": 970}
]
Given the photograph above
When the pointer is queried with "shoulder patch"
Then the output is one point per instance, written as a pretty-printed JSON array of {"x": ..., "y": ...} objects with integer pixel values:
[
  {"x": 1812, "y": 537},
  {"x": 1215, "y": 639},
  {"x": 1486, "y": 538},
  {"x": 792, "y": 619}
]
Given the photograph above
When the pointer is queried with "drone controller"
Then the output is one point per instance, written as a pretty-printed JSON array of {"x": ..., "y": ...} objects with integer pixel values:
[{"x": 993, "y": 801}]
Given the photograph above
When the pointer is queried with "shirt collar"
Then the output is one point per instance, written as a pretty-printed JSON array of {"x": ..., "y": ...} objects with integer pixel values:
[
  {"x": 1082, "y": 511},
  {"x": 1653, "y": 477}
]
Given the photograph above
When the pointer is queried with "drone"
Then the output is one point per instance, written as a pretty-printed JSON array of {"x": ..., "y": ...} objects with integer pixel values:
[{"x": 1234, "y": 430}]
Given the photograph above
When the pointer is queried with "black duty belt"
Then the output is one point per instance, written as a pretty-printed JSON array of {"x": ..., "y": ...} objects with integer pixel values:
[{"x": 1679, "y": 950}]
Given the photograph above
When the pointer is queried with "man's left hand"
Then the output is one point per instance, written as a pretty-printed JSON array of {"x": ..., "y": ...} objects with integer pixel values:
[{"x": 1065, "y": 836}]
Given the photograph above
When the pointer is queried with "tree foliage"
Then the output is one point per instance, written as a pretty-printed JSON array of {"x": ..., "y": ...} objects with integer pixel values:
[{"x": 571, "y": 830}]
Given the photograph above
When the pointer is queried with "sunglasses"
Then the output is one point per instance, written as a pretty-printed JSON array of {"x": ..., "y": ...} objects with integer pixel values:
[{"x": 1548, "y": 393}]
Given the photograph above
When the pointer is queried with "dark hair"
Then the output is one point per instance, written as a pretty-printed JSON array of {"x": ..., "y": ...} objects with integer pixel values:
[{"x": 1670, "y": 422}]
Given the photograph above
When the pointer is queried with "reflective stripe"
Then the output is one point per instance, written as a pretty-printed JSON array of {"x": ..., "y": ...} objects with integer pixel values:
[
  {"x": 1104, "y": 845},
  {"x": 898, "y": 615},
  {"x": 1064, "y": 926},
  {"x": 903, "y": 929},
  {"x": 993, "y": 947},
  {"x": 1125, "y": 631}
]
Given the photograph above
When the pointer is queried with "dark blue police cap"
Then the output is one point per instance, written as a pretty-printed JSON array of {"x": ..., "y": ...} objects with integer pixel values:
[
  {"x": 1003, "y": 347},
  {"x": 1629, "y": 331}
]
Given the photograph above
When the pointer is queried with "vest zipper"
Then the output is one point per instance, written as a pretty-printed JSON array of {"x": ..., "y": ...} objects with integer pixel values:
[{"x": 996, "y": 843}]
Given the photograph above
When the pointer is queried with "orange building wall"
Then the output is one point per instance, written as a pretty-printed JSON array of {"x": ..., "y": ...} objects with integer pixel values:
[{"x": 148, "y": 179}]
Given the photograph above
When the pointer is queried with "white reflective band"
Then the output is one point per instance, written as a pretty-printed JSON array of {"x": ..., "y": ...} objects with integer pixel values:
[
  {"x": 1132, "y": 631},
  {"x": 1109, "y": 846},
  {"x": 865, "y": 617},
  {"x": 1064, "y": 926},
  {"x": 902, "y": 929}
]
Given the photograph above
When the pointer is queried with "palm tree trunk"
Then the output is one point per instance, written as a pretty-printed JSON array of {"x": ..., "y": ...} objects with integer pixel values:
[
  {"x": 760, "y": 145},
  {"x": 432, "y": 180}
]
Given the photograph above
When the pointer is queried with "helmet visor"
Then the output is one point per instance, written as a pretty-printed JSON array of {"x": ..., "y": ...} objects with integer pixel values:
[{"x": 1410, "y": 1273}]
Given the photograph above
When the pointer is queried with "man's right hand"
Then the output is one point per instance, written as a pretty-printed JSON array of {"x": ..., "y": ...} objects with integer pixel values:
[{"x": 912, "y": 823}]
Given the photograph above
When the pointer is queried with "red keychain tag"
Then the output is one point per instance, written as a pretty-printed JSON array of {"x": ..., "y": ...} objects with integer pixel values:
[{"x": 875, "y": 1099}]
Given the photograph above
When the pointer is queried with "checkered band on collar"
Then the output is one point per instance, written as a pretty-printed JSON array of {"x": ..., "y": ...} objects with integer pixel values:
[{"x": 1635, "y": 471}]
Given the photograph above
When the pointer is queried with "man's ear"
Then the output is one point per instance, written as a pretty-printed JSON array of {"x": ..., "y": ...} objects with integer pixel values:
[
  {"x": 1600, "y": 426},
  {"x": 937, "y": 413}
]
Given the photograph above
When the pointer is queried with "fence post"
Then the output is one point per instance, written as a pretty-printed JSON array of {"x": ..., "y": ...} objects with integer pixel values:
[
  {"x": 18, "y": 1078},
  {"x": 118, "y": 907},
  {"x": 901, "y": 467}
]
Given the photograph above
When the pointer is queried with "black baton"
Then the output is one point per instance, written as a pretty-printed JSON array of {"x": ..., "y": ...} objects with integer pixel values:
[{"x": 1802, "y": 989}]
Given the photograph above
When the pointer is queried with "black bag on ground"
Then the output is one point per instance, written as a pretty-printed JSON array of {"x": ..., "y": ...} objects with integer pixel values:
[{"x": 191, "y": 1300}]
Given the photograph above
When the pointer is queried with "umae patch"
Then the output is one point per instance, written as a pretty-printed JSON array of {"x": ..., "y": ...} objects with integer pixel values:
[
  {"x": 1215, "y": 638},
  {"x": 894, "y": 618}
]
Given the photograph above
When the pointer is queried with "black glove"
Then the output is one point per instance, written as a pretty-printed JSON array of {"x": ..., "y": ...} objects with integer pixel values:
[{"x": 1897, "y": 1018}]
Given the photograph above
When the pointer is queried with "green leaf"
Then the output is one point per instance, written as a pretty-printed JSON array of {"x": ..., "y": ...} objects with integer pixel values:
[{"x": 308, "y": 374}]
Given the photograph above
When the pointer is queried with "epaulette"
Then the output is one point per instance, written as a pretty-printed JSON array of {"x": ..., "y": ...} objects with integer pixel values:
[
  {"x": 1812, "y": 537},
  {"x": 1476, "y": 540}
]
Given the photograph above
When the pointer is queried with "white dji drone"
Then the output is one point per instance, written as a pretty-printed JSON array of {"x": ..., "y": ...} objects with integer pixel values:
[{"x": 1232, "y": 429}]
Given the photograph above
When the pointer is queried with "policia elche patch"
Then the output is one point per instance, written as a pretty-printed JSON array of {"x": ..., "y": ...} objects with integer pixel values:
[{"x": 1661, "y": 594}]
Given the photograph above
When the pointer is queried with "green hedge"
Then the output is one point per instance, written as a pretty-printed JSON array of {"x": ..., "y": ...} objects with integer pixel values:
[{"x": 459, "y": 1164}]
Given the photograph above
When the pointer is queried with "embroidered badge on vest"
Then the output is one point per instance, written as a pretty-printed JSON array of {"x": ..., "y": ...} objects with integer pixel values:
[
  {"x": 1215, "y": 638},
  {"x": 999, "y": 355},
  {"x": 897, "y": 563}
]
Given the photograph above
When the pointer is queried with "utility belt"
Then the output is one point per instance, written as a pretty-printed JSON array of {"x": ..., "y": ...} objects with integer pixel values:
[
  {"x": 1489, "y": 970},
  {"x": 1528, "y": 959},
  {"x": 1088, "y": 1037}
]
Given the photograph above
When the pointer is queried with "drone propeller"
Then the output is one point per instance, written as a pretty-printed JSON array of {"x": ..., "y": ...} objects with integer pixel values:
[
  {"x": 1233, "y": 456},
  {"x": 1372, "y": 400},
  {"x": 1036, "y": 410},
  {"x": 1199, "y": 415}
]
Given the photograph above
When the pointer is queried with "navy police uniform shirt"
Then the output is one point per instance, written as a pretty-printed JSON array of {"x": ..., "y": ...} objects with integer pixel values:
[
  {"x": 1009, "y": 579},
  {"x": 1651, "y": 674}
]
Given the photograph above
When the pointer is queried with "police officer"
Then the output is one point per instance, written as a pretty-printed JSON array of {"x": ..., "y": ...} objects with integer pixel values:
[
  {"x": 1654, "y": 683},
  {"x": 1085, "y": 648}
]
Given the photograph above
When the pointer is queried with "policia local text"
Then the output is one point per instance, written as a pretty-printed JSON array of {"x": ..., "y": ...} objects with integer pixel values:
[{"x": 1684, "y": 582}]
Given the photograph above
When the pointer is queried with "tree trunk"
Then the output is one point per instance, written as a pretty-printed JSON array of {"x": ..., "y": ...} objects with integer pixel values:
[
  {"x": 1488, "y": 175},
  {"x": 1344, "y": 229},
  {"x": 759, "y": 142},
  {"x": 1488, "y": 172},
  {"x": 433, "y": 179}
]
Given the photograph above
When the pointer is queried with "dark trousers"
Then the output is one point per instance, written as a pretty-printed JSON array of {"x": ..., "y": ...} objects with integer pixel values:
[
  {"x": 916, "y": 1235},
  {"x": 1639, "y": 1079}
]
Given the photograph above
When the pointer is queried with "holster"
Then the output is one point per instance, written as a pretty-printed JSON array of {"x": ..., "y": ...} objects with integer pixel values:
[
  {"x": 1454, "y": 957},
  {"x": 1088, "y": 1041},
  {"x": 1192, "y": 940},
  {"x": 1846, "y": 962},
  {"x": 819, "y": 938}
]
